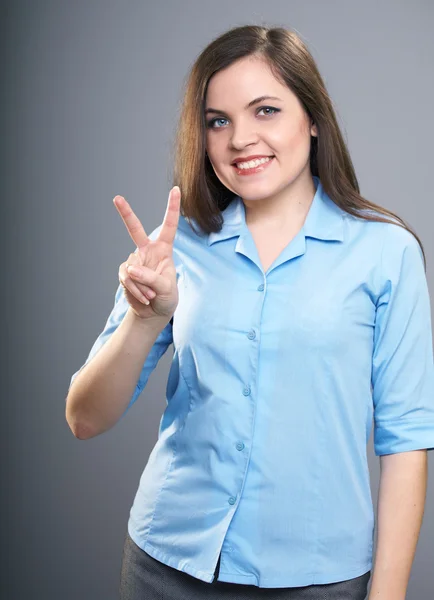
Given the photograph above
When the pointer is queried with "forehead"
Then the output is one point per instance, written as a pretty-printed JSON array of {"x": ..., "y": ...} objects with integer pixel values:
[{"x": 245, "y": 79}]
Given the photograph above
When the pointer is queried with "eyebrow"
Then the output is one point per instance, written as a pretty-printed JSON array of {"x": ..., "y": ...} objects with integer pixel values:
[{"x": 251, "y": 103}]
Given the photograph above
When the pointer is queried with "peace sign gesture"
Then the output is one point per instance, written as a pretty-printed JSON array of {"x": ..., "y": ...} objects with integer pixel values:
[{"x": 148, "y": 276}]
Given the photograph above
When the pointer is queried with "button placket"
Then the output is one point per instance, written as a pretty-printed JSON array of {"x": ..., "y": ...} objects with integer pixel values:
[{"x": 246, "y": 391}]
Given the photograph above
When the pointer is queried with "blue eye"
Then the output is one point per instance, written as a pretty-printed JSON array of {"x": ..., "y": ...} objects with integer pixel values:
[
  {"x": 270, "y": 108},
  {"x": 210, "y": 124}
]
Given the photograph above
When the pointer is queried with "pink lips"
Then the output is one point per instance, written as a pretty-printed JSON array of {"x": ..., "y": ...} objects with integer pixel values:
[{"x": 254, "y": 170}]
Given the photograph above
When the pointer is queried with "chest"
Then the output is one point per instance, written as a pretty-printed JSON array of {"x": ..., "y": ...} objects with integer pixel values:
[{"x": 317, "y": 305}]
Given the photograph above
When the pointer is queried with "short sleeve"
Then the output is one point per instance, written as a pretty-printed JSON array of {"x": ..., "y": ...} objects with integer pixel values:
[
  {"x": 402, "y": 362},
  {"x": 162, "y": 342}
]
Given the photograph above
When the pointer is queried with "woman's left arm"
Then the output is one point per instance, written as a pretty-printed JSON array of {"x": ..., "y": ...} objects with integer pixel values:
[{"x": 401, "y": 503}]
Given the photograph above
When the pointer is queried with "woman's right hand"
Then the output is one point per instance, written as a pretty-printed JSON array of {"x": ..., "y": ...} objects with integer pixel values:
[{"x": 151, "y": 290}]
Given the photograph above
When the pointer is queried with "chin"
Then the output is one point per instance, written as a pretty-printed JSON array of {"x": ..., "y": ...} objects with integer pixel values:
[{"x": 255, "y": 191}]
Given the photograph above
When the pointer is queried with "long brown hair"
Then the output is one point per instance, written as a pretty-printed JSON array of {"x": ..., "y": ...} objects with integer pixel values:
[{"x": 203, "y": 194}]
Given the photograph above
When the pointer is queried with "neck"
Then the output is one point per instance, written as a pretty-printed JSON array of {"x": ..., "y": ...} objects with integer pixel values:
[{"x": 288, "y": 208}]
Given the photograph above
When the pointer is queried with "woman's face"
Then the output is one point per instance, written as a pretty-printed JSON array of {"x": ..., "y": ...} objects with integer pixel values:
[{"x": 234, "y": 130}]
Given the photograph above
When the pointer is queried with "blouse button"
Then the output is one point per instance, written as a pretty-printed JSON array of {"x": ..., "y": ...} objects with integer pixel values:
[
  {"x": 251, "y": 335},
  {"x": 261, "y": 287},
  {"x": 240, "y": 445},
  {"x": 246, "y": 390},
  {"x": 232, "y": 500}
]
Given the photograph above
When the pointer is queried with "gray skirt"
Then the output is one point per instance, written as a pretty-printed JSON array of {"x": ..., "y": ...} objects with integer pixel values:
[{"x": 145, "y": 578}]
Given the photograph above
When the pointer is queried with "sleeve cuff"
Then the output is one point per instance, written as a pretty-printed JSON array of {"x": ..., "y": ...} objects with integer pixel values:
[{"x": 403, "y": 435}]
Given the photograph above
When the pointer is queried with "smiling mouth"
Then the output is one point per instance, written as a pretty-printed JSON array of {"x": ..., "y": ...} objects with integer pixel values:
[{"x": 252, "y": 170}]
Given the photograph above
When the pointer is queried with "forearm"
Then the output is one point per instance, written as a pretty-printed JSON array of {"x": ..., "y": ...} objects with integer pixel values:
[
  {"x": 401, "y": 502},
  {"x": 101, "y": 392}
]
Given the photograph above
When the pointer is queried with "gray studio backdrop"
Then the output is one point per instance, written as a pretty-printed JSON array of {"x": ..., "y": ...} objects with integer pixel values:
[{"x": 90, "y": 97}]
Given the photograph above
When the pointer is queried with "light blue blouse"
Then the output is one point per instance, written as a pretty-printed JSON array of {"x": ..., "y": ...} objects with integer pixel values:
[{"x": 275, "y": 380}]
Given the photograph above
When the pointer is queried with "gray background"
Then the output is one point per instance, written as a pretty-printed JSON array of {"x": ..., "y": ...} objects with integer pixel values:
[{"x": 90, "y": 97}]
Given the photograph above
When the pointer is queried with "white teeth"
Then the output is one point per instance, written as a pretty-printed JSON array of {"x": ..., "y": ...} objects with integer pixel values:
[{"x": 253, "y": 163}]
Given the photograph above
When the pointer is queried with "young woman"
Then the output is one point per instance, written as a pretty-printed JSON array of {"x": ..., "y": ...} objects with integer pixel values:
[{"x": 299, "y": 313}]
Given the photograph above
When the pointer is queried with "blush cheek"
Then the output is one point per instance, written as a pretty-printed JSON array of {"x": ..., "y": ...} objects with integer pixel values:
[{"x": 299, "y": 146}]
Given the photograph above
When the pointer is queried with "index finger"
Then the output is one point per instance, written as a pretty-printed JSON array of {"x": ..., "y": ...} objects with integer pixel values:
[
  {"x": 132, "y": 222},
  {"x": 171, "y": 217}
]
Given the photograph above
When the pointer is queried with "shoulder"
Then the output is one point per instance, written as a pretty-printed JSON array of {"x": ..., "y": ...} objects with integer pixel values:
[
  {"x": 401, "y": 261},
  {"x": 391, "y": 252},
  {"x": 399, "y": 244},
  {"x": 389, "y": 240}
]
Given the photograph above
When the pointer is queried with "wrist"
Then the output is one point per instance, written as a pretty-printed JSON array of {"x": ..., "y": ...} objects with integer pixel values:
[{"x": 156, "y": 322}]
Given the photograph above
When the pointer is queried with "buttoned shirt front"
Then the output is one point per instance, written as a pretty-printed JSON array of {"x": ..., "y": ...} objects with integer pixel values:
[{"x": 275, "y": 382}]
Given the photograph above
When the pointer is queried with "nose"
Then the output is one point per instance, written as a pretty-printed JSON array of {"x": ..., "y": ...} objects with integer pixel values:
[{"x": 243, "y": 135}]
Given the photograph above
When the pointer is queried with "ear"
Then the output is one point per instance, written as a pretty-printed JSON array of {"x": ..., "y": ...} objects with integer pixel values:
[{"x": 313, "y": 130}]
